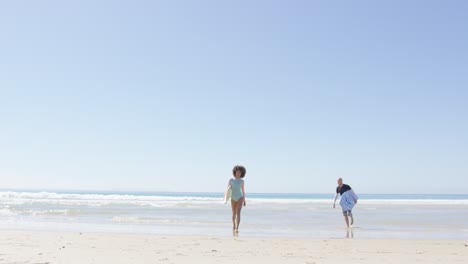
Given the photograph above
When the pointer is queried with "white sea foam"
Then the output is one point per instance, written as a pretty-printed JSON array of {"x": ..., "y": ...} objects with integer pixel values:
[
  {"x": 7, "y": 212},
  {"x": 18, "y": 198},
  {"x": 98, "y": 197},
  {"x": 25, "y": 198}
]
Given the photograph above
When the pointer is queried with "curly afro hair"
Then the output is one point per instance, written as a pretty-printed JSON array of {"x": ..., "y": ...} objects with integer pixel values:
[{"x": 239, "y": 168}]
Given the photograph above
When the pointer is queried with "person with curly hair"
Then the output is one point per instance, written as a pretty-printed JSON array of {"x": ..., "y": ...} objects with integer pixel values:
[{"x": 238, "y": 195}]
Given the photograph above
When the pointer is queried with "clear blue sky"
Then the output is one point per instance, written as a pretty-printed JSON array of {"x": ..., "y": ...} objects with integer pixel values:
[{"x": 169, "y": 95}]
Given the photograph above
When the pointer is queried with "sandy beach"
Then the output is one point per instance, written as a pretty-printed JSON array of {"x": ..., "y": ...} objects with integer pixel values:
[{"x": 65, "y": 247}]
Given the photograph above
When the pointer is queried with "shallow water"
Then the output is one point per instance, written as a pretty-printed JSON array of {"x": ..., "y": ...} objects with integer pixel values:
[{"x": 266, "y": 215}]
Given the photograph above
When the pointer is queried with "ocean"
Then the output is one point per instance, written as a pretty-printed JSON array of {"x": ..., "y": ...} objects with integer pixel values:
[{"x": 377, "y": 216}]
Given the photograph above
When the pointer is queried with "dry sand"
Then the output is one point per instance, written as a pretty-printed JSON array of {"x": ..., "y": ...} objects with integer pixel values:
[{"x": 62, "y": 247}]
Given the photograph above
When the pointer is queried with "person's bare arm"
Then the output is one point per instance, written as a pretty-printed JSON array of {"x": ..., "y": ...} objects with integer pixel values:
[
  {"x": 243, "y": 191},
  {"x": 334, "y": 201}
]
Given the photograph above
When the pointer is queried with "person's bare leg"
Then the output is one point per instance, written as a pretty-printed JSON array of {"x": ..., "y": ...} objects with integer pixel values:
[
  {"x": 238, "y": 218},
  {"x": 234, "y": 211},
  {"x": 346, "y": 219},
  {"x": 238, "y": 210},
  {"x": 352, "y": 219}
]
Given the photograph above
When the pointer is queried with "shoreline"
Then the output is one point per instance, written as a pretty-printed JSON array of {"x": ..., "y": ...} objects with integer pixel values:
[
  {"x": 75, "y": 247},
  {"x": 248, "y": 231}
]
